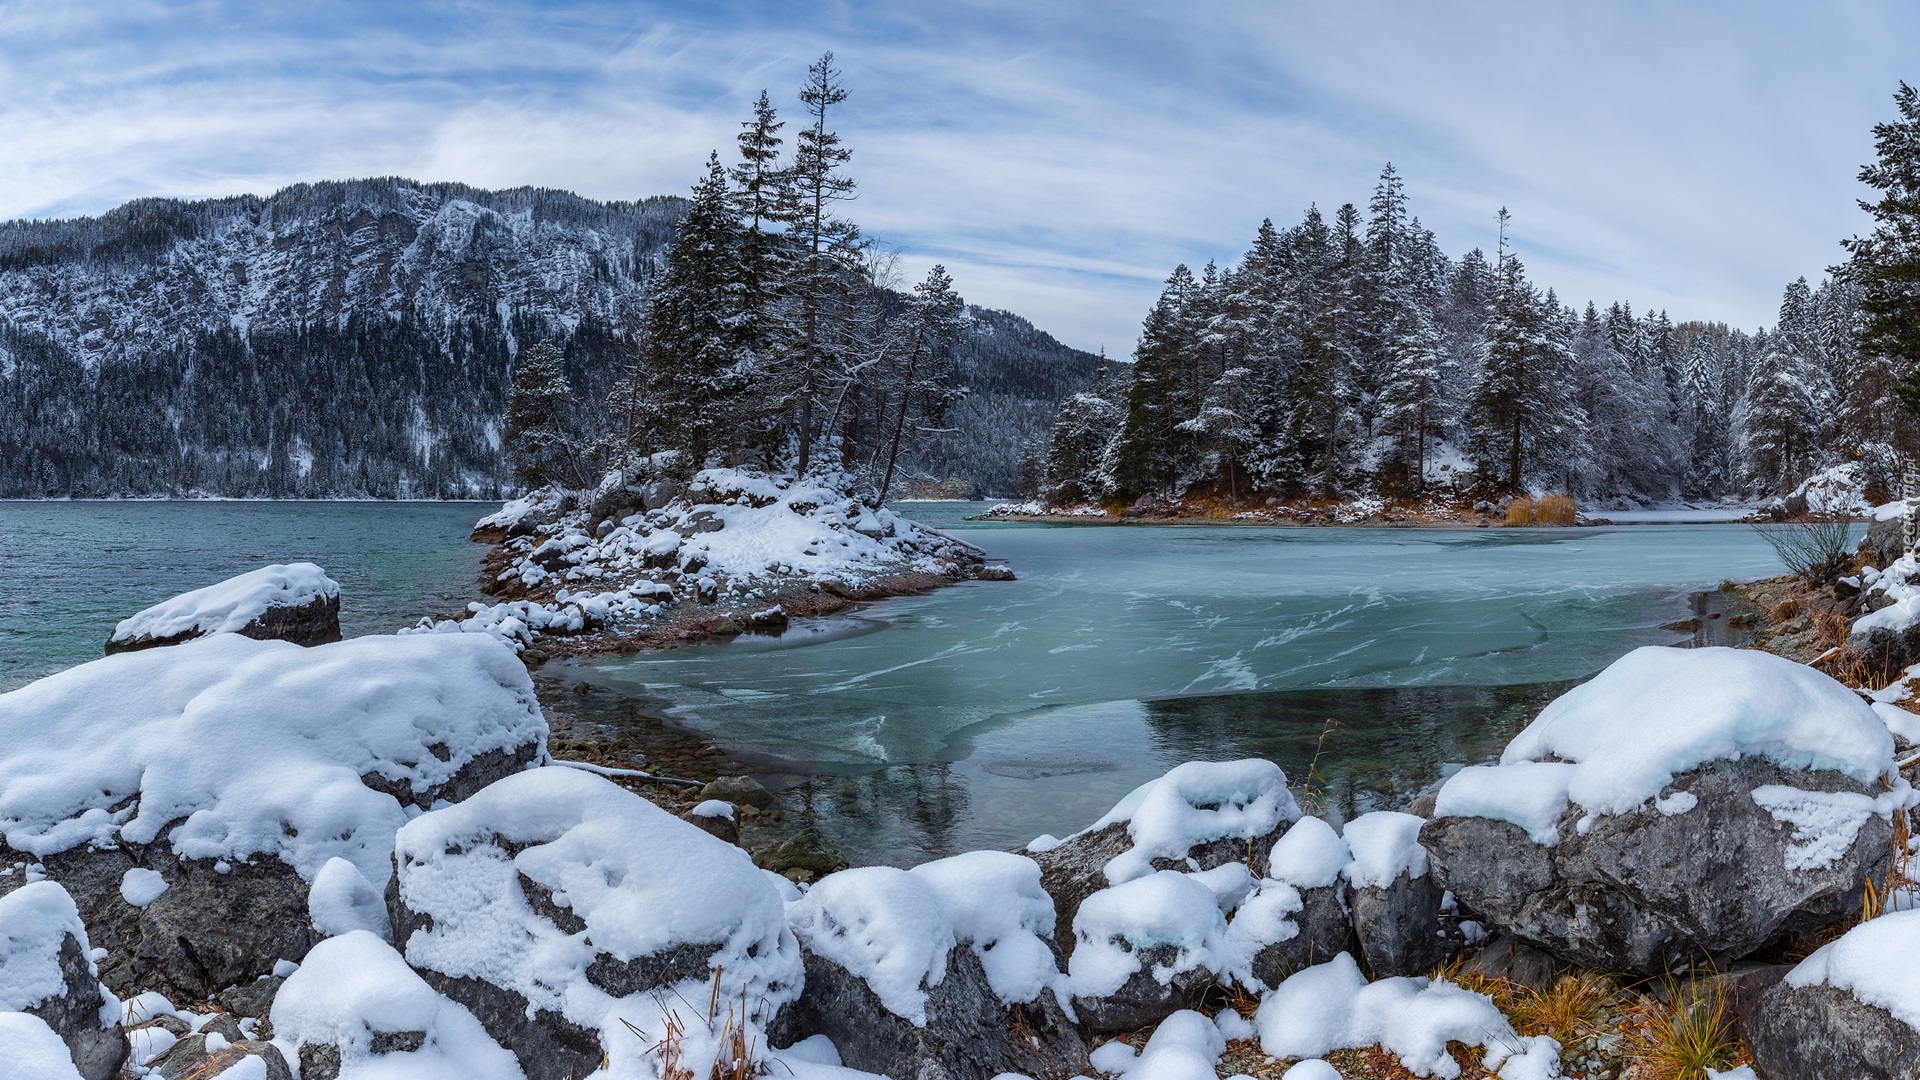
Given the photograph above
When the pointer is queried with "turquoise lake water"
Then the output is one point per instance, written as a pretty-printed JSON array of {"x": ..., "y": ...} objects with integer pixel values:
[{"x": 989, "y": 712}]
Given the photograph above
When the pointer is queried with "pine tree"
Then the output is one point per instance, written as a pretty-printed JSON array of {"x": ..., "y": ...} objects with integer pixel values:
[
  {"x": 826, "y": 245},
  {"x": 763, "y": 199},
  {"x": 1077, "y": 447},
  {"x": 933, "y": 324},
  {"x": 538, "y": 435},
  {"x": 1886, "y": 262},
  {"x": 1781, "y": 418},
  {"x": 695, "y": 352},
  {"x": 1522, "y": 413}
]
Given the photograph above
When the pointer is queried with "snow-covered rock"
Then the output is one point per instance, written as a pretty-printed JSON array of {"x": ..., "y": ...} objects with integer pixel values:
[
  {"x": 234, "y": 769},
  {"x": 1145, "y": 949},
  {"x": 575, "y": 920},
  {"x": 1200, "y": 815},
  {"x": 1333, "y": 1007},
  {"x": 1298, "y": 917},
  {"x": 1185, "y": 1046},
  {"x": 732, "y": 536},
  {"x": 295, "y": 602},
  {"x": 1395, "y": 902},
  {"x": 32, "y": 1049},
  {"x": 1851, "y": 1009},
  {"x": 929, "y": 972},
  {"x": 1683, "y": 801},
  {"x": 356, "y": 1009},
  {"x": 46, "y": 971}
]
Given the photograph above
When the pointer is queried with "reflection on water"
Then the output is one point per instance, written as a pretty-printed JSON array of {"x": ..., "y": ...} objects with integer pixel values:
[{"x": 1058, "y": 770}]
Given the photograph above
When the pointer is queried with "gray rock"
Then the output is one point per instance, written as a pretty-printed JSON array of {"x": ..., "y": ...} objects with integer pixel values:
[
  {"x": 700, "y": 521},
  {"x": 1325, "y": 932},
  {"x": 321, "y": 1061},
  {"x": 969, "y": 1033},
  {"x": 1399, "y": 927},
  {"x": 714, "y": 825},
  {"x": 1143, "y": 999},
  {"x": 738, "y": 790},
  {"x": 74, "y": 1015},
  {"x": 1818, "y": 1031},
  {"x": 804, "y": 853},
  {"x": 1516, "y": 962},
  {"x": 659, "y": 493},
  {"x": 1885, "y": 542},
  {"x": 1647, "y": 892},
  {"x": 994, "y": 573},
  {"x": 189, "y": 1059},
  {"x": 316, "y": 622}
]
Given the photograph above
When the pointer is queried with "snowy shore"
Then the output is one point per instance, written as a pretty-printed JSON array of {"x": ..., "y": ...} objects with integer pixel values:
[{"x": 384, "y": 871}]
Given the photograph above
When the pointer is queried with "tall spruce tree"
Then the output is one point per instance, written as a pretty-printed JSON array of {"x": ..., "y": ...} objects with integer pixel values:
[
  {"x": 1886, "y": 262},
  {"x": 827, "y": 246},
  {"x": 933, "y": 323},
  {"x": 696, "y": 354},
  {"x": 538, "y": 432}
]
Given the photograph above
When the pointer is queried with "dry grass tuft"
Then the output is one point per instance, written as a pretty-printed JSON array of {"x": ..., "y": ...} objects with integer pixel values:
[
  {"x": 1569, "y": 1010},
  {"x": 1520, "y": 511},
  {"x": 1683, "y": 1036},
  {"x": 1555, "y": 510},
  {"x": 1785, "y": 611}
]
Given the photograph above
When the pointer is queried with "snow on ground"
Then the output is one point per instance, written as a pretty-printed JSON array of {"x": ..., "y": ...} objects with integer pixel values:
[
  {"x": 598, "y": 849},
  {"x": 226, "y": 747},
  {"x": 734, "y": 536},
  {"x": 1332, "y": 1007},
  {"x": 1838, "y": 489},
  {"x": 1185, "y": 1046},
  {"x": 1873, "y": 962},
  {"x": 31, "y": 1049},
  {"x": 353, "y": 988},
  {"x": 228, "y": 606},
  {"x": 1612, "y": 744},
  {"x": 1704, "y": 515},
  {"x": 1899, "y": 582}
]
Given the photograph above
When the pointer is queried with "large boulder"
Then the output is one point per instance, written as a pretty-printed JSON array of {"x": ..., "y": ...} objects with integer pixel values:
[
  {"x": 46, "y": 971},
  {"x": 1851, "y": 1009},
  {"x": 943, "y": 972},
  {"x": 1200, "y": 815},
  {"x": 1395, "y": 902},
  {"x": 1683, "y": 805},
  {"x": 188, "y": 797},
  {"x": 355, "y": 1003},
  {"x": 294, "y": 602},
  {"x": 574, "y": 919}
]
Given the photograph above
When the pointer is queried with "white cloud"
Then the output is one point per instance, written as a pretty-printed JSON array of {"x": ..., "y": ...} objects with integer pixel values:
[{"x": 1059, "y": 158}]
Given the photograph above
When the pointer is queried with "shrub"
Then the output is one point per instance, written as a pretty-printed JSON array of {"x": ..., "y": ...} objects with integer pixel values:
[
  {"x": 1818, "y": 551},
  {"x": 1520, "y": 511}
]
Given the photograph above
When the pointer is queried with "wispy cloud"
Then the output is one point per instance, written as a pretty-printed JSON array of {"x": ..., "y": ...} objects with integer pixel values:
[{"x": 1059, "y": 157}]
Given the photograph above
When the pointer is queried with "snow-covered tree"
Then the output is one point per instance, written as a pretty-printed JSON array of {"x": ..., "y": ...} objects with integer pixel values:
[{"x": 539, "y": 435}]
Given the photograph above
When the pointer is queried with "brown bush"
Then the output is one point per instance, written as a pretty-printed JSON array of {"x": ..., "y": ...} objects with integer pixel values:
[{"x": 1520, "y": 511}]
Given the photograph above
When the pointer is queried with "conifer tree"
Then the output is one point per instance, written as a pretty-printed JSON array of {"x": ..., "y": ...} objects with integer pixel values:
[
  {"x": 538, "y": 435},
  {"x": 933, "y": 324},
  {"x": 695, "y": 352},
  {"x": 1886, "y": 262},
  {"x": 826, "y": 245}
]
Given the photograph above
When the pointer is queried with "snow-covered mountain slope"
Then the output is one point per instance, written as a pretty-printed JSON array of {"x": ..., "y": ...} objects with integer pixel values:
[{"x": 355, "y": 338}]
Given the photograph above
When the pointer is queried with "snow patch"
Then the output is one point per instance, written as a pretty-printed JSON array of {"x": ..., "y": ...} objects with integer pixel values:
[{"x": 1874, "y": 963}]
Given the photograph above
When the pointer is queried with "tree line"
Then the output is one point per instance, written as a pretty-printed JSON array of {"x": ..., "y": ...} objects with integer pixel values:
[{"x": 1351, "y": 356}]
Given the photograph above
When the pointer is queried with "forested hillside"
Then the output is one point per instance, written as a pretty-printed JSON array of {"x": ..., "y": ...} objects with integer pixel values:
[
  {"x": 1349, "y": 356},
  {"x": 358, "y": 339}
]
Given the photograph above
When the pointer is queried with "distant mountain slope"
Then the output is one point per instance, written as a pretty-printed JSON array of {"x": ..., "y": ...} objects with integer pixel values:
[{"x": 355, "y": 338}]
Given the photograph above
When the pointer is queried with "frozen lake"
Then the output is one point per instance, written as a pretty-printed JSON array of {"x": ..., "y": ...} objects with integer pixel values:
[{"x": 989, "y": 712}]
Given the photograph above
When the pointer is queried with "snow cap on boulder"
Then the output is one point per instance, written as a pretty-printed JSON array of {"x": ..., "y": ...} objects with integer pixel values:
[
  {"x": 356, "y": 1003},
  {"x": 1198, "y": 803},
  {"x": 557, "y": 899},
  {"x": 227, "y": 748},
  {"x": 1613, "y": 743},
  {"x": 293, "y": 601}
]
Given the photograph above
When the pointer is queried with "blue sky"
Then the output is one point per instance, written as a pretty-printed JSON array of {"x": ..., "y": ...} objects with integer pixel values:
[{"x": 1058, "y": 157}]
